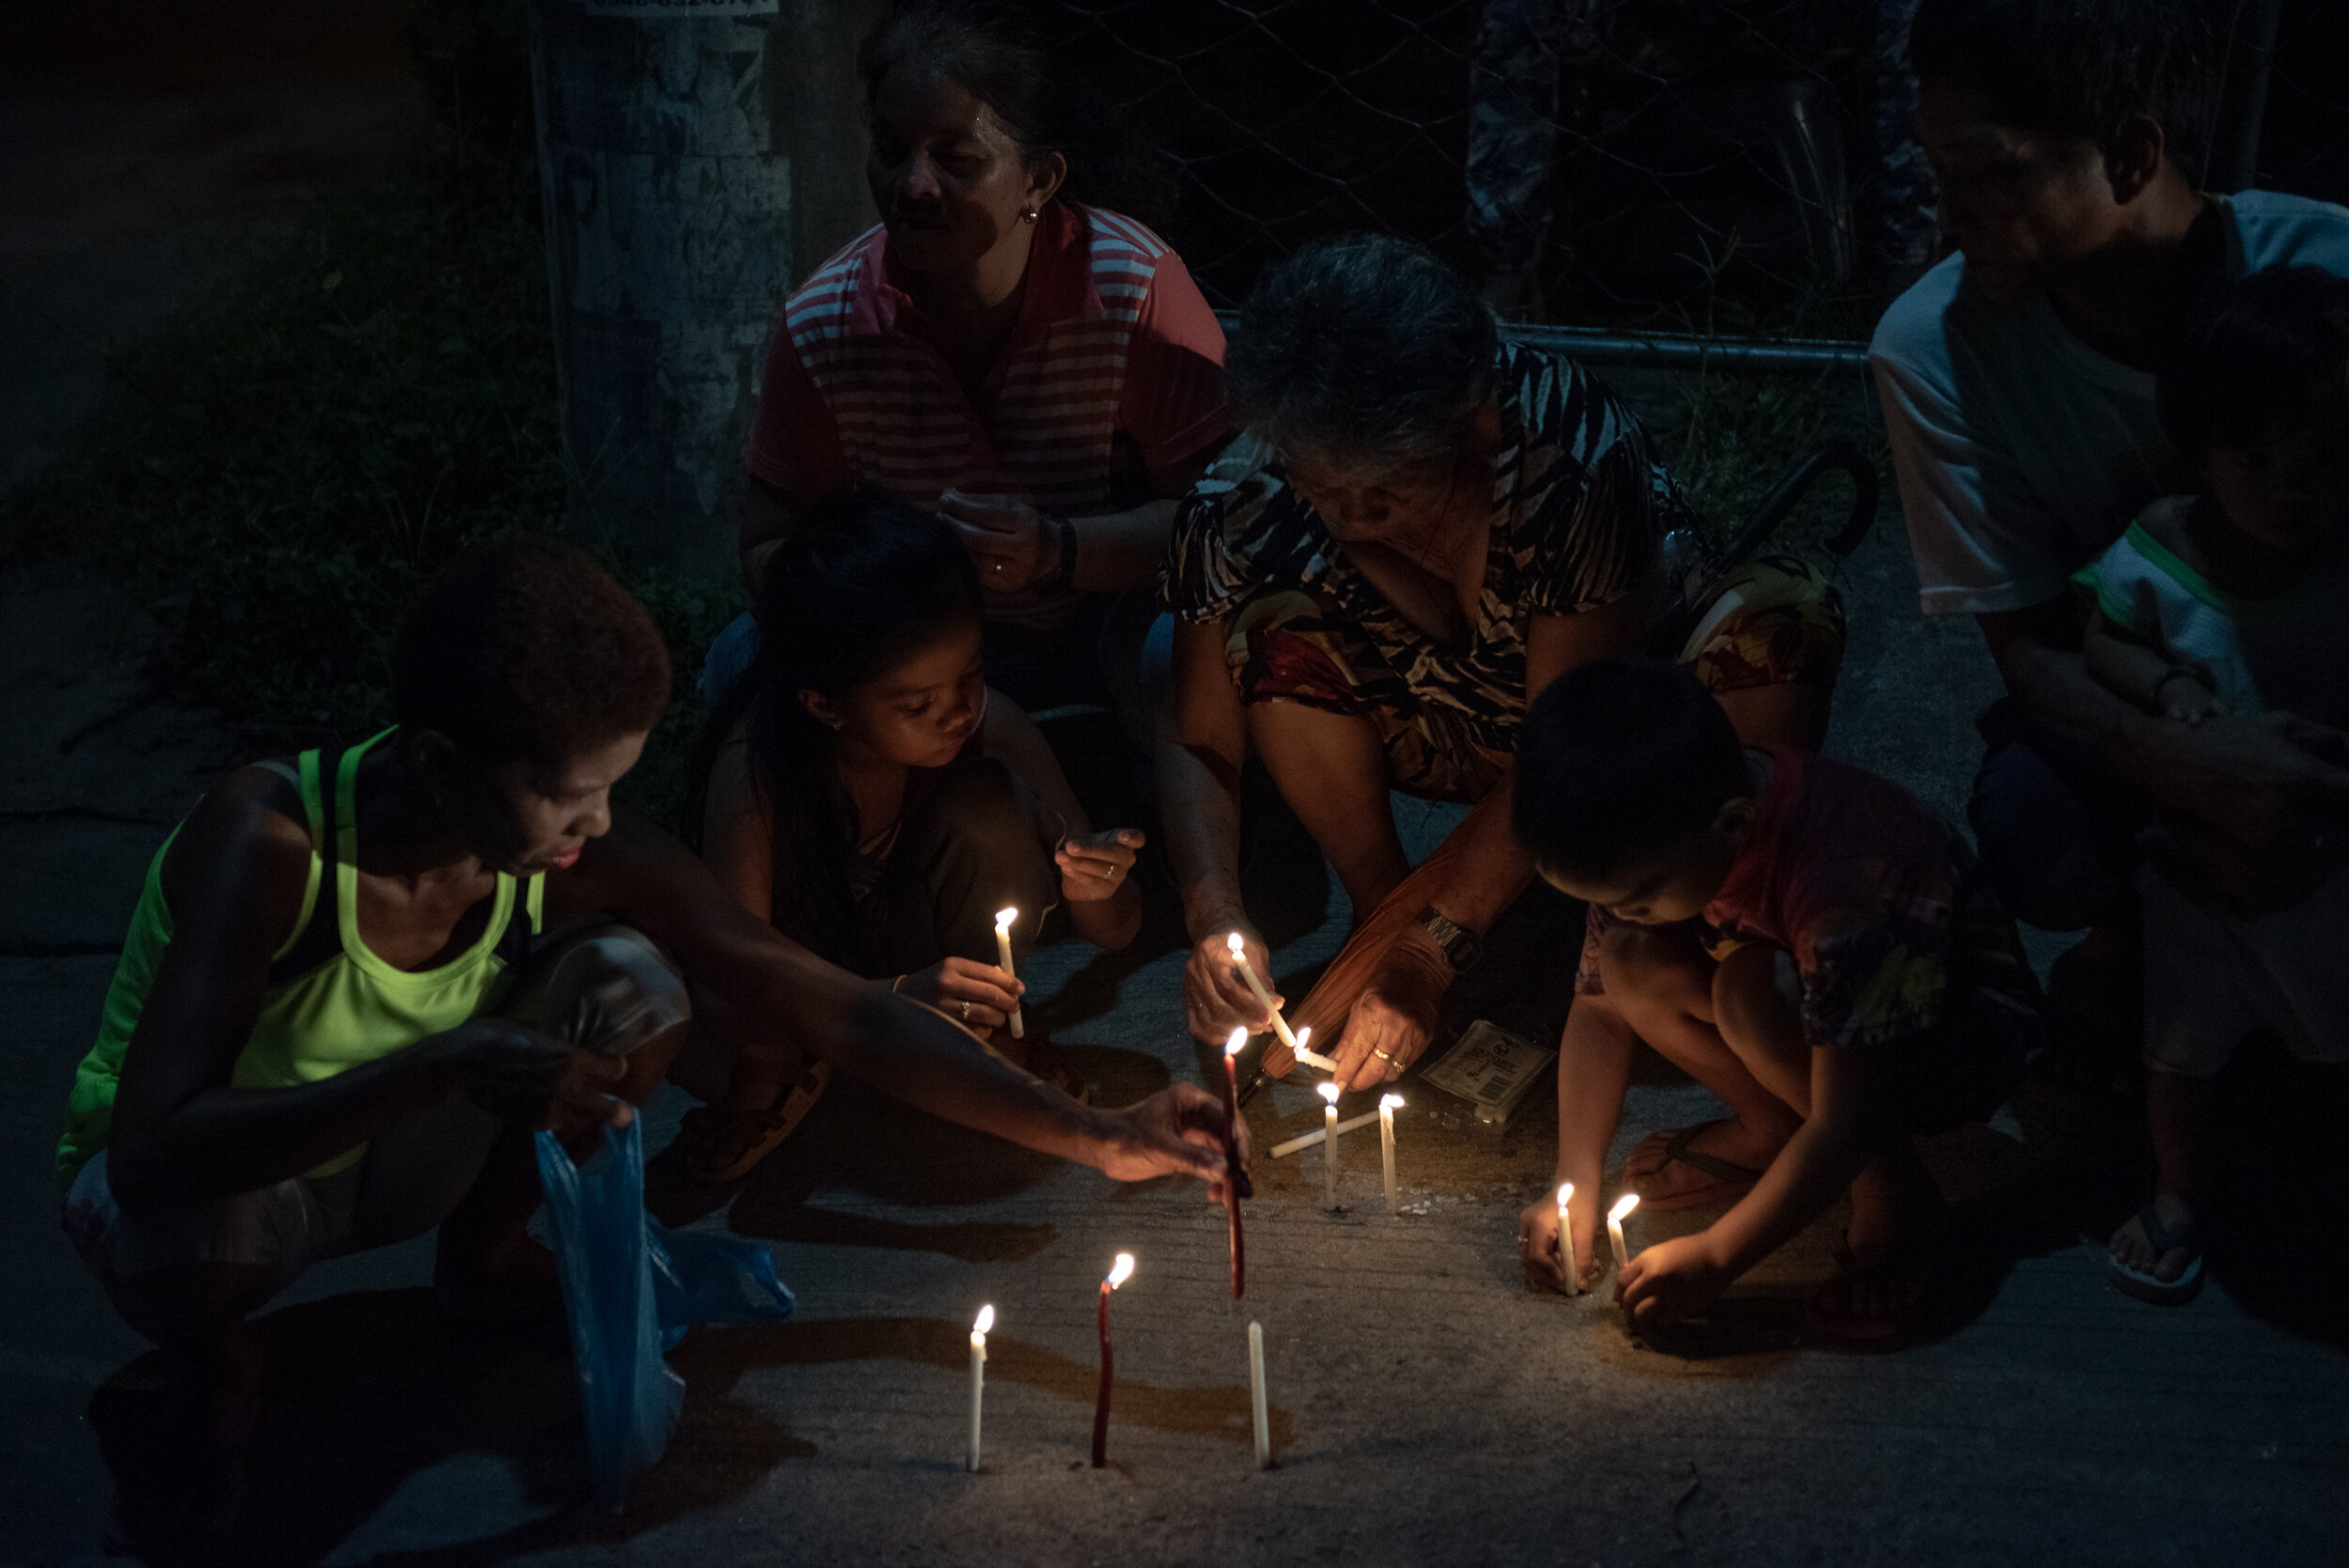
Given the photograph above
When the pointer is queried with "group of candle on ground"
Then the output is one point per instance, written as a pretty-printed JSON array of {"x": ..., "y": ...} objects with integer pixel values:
[
  {"x": 1331, "y": 1127},
  {"x": 1123, "y": 1270},
  {"x": 1119, "y": 1273}
]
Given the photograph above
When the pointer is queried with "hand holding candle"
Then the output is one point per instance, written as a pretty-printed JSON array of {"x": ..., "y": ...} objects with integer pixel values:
[
  {"x": 1615, "y": 1216},
  {"x": 1257, "y": 988},
  {"x": 1231, "y": 1156},
  {"x": 1119, "y": 1273},
  {"x": 1329, "y": 1142},
  {"x": 1003, "y": 948},
  {"x": 1388, "y": 1106},
  {"x": 979, "y": 1374},
  {"x": 1565, "y": 1239}
]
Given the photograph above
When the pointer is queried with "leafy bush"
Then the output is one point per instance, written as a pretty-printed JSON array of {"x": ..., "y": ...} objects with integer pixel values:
[{"x": 283, "y": 472}]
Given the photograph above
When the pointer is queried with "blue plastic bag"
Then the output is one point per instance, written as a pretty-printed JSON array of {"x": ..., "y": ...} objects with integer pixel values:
[{"x": 631, "y": 1288}]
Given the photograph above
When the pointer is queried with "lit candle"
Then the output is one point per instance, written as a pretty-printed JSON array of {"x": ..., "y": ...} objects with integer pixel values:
[
  {"x": 1565, "y": 1238},
  {"x": 1330, "y": 1142},
  {"x": 1119, "y": 1273},
  {"x": 1002, "y": 950},
  {"x": 1248, "y": 972},
  {"x": 1623, "y": 1205},
  {"x": 1388, "y": 1105},
  {"x": 1231, "y": 1156},
  {"x": 1307, "y": 1057},
  {"x": 1255, "y": 1396},
  {"x": 979, "y": 1374}
]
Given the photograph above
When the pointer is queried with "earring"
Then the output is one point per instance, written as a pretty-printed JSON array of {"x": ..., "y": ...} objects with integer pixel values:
[{"x": 1027, "y": 217}]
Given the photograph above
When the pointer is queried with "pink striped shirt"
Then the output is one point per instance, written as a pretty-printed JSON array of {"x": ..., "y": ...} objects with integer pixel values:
[{"x": 1114, "y": 338}]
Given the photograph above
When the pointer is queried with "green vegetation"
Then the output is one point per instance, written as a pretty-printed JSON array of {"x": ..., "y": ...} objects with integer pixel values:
[
  {"x": 1733, "y": 437},
  {"x": 280, "y": 474}
]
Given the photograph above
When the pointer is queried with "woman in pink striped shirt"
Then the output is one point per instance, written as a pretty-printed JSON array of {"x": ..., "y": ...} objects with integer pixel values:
[{"x": 1004, "y": 349}]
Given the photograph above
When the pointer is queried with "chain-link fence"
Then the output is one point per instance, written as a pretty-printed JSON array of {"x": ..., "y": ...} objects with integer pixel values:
[{"x": 1708, "y": 164}]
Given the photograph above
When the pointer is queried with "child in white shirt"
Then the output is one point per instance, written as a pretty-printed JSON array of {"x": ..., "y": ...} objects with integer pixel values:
[{"x": 2236, "y": 600}]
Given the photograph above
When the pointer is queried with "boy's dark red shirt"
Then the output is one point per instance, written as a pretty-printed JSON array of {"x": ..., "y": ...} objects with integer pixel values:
[{"x": 1866, "y": 885}]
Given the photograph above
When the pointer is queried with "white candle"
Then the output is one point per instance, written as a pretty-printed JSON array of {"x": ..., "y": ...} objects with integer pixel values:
[
  {"x": 1330, "y": 1142},
  {"x": 1307, "y": 1057},
  {"x": 1255, "y": 1396},
  {"x": 1002, "y": 950},
  {"x": 979, "y": 1374},
  {"x": 1309, "y": 1139},
  {"x": 1248, "y": 972},
  {"x": 1623, "y": 1205},
  {"x": 1565, "y": 1239},
  {"x": 1388, "y": 1105}
]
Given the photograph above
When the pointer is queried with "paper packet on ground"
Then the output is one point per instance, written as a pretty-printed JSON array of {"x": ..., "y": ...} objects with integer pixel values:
[{"x": 1491, "y": 1068}]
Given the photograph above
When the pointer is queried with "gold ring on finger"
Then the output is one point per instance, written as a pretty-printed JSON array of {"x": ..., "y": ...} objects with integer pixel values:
[{"x": 1382, "y": 1056}]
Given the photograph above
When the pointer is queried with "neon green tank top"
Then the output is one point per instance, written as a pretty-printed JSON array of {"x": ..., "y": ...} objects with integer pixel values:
[{"x": 330, "y": 1004}]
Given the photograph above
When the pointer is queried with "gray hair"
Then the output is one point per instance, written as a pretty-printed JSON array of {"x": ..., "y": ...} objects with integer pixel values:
[{"x": 1364, "y": 352}]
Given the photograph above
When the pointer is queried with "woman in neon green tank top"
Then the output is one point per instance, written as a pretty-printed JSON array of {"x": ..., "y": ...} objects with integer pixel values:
[{"x": 324, "y": 1029}]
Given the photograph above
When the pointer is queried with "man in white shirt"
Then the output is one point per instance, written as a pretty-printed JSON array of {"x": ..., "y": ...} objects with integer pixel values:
[{"x": 2016, "y": 380}]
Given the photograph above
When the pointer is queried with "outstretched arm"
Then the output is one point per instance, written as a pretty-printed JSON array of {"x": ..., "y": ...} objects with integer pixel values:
[{"x": 646, "y": 877}]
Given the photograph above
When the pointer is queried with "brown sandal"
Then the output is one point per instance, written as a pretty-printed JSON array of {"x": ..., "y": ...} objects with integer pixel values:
[{"x": 723, "y": 1143}]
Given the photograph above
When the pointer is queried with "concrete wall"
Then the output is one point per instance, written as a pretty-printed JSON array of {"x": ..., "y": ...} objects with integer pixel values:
[{"x": 697, "y": 158}]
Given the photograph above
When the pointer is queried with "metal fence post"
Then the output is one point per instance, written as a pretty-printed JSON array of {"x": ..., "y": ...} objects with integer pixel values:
[{"x": 670, "y": 132}]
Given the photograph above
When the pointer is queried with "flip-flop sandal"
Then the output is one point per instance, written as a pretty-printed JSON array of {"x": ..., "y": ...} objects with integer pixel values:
[
  {"x": 1730, "y": 1180},
  {"x": 1920, "y": 1263},
  {"x": 724, "y": 1144},
  {"x": 2162, "y": 1239}
]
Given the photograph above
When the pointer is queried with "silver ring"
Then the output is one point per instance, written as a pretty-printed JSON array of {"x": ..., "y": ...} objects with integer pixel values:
[{"x": 966, "y": 1012}]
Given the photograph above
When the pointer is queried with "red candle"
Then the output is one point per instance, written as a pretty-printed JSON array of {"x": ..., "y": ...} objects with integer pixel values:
[
  {"x": 1118, "y": 1275},
  {"x": 1231, "y": 1159}
]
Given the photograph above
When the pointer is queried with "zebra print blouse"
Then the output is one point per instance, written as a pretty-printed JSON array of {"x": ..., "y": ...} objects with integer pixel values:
[{"x": 1580, "y": 502}]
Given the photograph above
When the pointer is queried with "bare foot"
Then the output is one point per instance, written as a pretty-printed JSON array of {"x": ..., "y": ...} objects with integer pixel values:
[
  {"x": 1893, "y": 1256},
  {"x": 2131, "y": 1248}
]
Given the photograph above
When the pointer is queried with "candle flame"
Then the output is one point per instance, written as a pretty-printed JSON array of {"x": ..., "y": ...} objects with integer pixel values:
[
  {"x": 1565, "y": 1191},
  {"x": 986, "y": 1321},
  {"x": 1391, "y": 1102},
  {"x": 1121, "y": 1270},
  {"x": 1623, "y": 1205},
  {"x": 1328, "y": 1092},
  {"x": 1004, "y": 919},
  {"x": 1236, "y": 946},
  {"x": 1304, "y": 1037},
  {"x": 1236, "y": 1043}
]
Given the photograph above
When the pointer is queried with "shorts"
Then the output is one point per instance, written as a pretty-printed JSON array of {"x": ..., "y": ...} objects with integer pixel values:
[
  {"x": 1773, "y": 621},
  {"x": 603, "y": 986},
  {"x": 2211, "y": 979}
]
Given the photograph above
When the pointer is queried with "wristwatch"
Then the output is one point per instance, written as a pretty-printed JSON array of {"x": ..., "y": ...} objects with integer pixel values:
[
  {"x": 1061, "y": 575},
  {"x": 1461, "y": 950}
]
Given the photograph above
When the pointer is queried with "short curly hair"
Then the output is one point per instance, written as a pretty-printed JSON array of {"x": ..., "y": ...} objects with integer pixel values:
[
  {"x": 522, "y": 647},
  {"x": 1364, "y": 352}
]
